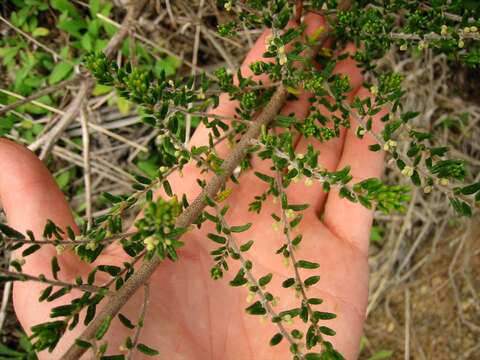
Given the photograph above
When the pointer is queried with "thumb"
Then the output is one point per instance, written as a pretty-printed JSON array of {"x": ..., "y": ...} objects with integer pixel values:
[{"x": 30, "y": 197}]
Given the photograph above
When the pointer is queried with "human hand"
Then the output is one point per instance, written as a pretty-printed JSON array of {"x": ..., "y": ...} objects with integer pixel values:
[{"x": 189, "y": 315}]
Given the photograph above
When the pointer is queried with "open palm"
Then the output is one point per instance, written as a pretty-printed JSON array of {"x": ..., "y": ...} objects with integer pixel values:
[{"x": 189, "y": 315}]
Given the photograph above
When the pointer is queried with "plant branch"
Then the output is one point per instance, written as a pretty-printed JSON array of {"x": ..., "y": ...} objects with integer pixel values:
[
  {"x": 422, "y": 171},
  {"x": 188, "y": 216},
  {"x": 40, "y": 93},
  {"x": 287, "y": 232},
  {"x": 192, "y": 212},
  {"x": 233, "y": 243},
  {"x": 27, "y": 277}
]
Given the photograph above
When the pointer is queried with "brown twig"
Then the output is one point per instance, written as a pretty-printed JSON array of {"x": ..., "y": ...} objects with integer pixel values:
[{"x": 24, "y": 277}]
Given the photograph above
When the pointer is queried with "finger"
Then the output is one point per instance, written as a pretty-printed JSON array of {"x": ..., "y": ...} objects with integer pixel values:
[
  {"x": 330, "y": 150},
  {"x": 187, "y": 180},
  {"x": 227, "y": 107},
  {"x": 30, "y": 197},
  {"x": 364, "y": 164}
]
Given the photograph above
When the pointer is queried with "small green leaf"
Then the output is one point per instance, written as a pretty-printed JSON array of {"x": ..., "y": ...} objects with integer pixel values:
[
  {"x": 313, "y": 356},
  {"x": 55, "y": 267},
  {"x": 112, "y": 198},
  {"x": 147, "y": 350},
  {"x": 82, "y": 343},
  {"x": 256, "y": 309},
  {"x": 312, "y": 280},
  {"x": 470, "y": 189},
  {"x": 319, "y": 315},
  {"x": 304, "y": 264},
  {"x": 167, "y": 188},
  {"x": 245, "y": 247},
  {"x": 217, "y": 238},
  {"x": 30, "y": 250},
  {"x": 275, "y": 340},
  {"x": 327, "y": 331},
  {"x": 103, "y": 328},
  {"x": 265, "y": 279},
  {"x": 45, "y": 293},
  {"x": 241, "y": 228},
  {"x": 288, "y": 283},
  {"x": 10, "y": 232}
]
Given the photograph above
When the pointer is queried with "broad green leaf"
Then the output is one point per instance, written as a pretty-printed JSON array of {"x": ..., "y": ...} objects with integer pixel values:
[
  {"x": 60, "y": 72},
  {"x": 123, "y": 105},
  {"x": 40, "y": 31}
]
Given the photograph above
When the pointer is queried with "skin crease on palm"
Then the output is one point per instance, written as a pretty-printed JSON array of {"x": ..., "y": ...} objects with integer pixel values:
[{"x": 191, "y": 316}]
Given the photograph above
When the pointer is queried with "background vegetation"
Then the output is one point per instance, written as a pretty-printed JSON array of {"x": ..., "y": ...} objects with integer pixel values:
[{"x": 425, "y": 264}]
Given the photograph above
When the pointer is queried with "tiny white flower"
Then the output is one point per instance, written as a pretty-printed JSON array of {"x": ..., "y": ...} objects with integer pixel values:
[
  {"x": 444, "y": 181},
  {"x": 60, "y": 249},
  {"x": 276, "y": 226},
  {"x": 360, "y": 131},
  {"x": 389, "y": 145},
  {"x": 408, "y": 171},
  {"x": 149, "y": 243},
  {"x": 290, "y": 213},
  {"x": 287, "y": 319},
  {"x": 444, "y": 30},
  {"x": 91, "y": 246}
]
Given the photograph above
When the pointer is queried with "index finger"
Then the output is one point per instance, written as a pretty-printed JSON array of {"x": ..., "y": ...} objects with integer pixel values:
[{"x": 364, "y": 164}]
